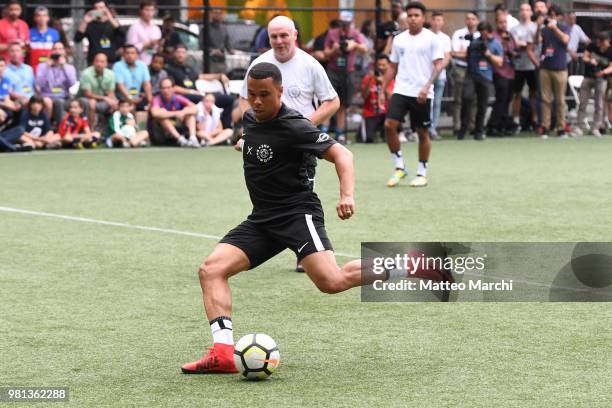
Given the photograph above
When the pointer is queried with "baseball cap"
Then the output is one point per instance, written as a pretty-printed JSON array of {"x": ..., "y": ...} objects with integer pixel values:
[{"x": 346, "y": 16}]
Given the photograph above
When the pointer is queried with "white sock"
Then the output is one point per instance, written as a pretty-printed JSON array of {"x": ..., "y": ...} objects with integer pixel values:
[
  {"x": 398, "y": 159},
  {"x": 516, "y": 120},
  {"x": 222, "y": 332},
  {"x": 422, "y": 169}
]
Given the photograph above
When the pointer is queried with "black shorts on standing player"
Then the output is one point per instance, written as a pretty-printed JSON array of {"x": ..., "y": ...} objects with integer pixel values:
[{"x": 420, "y": 113}]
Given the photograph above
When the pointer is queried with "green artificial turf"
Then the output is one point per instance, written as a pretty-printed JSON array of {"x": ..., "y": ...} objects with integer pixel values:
[{"x": 112, "y": 311}]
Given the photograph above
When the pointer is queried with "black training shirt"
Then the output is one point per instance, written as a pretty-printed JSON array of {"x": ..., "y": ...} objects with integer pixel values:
[{"x": 279, "y": 164}]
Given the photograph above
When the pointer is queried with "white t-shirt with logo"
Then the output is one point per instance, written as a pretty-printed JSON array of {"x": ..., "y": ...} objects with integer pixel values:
[
  {"x": 304, "y": 79},
  {"x": 415, "y": 55},
  {"x": 445, "y": 42}
]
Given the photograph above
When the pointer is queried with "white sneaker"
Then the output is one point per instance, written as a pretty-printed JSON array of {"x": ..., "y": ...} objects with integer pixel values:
[
  {"x": 126, "y": 145},
  {"x": 183, "y": 142},
  {"x": 402, "y": 137},
  {"x": 204, "y": 143},
  {"x": 109, "y": 142},
  {"x": 577, "y": 132},
  {"x": 596, "y": 132},
  {"x": 419, "y": 181},
  {"x": 193, "y": 142}
]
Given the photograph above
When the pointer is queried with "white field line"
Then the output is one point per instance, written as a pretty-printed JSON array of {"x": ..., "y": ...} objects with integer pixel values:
[
  {"x": 126, "y": 225},
  {"x": 216, "y": 238},
  {"x": 103, "y": 151}
]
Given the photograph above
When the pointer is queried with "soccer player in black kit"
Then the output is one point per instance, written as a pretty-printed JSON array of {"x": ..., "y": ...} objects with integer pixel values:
[{"x": 278, "y": 151}]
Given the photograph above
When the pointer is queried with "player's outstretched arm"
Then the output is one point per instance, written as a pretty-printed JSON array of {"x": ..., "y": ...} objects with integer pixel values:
[{"x": 343, "y": 159}]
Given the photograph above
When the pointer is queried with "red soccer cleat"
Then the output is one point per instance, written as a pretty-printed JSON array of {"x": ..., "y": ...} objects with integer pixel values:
[{"x": 218, "y": 360}]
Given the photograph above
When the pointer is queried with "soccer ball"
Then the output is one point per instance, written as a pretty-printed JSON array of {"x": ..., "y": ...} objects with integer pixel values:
[{"x": 256, "y": 356}]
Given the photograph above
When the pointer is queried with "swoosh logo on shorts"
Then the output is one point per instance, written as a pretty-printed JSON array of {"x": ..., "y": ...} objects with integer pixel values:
[{"x": 302, "y": 247}]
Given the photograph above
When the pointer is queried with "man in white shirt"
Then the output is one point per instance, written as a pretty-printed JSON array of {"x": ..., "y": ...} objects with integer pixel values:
[
  {"x": 459, "y": 46},
  {"x": 417, "y": 58},
  {"x": 305, "y": 81},
  {"x": 437, "y": 22},
  {"x": 144, "y": 34}
]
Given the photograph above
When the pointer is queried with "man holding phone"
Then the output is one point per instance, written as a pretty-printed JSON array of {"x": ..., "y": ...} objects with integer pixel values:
[
  {"x": 53, "y": 80},
  {"x": 100, "y": 28}
]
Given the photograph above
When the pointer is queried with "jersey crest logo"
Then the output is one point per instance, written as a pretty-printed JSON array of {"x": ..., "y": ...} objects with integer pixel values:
[
  {"x": 323, "y": 137},
  {"x": 294, "y": 91},
  {"x": 264, "y": 153}
]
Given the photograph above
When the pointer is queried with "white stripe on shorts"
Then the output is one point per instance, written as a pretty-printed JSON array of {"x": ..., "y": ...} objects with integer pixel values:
[{"x": 313, "y": 233}]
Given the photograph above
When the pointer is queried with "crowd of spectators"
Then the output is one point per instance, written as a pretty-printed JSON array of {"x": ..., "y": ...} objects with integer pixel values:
[
  {"x": 139, "y": 88},
  {"x": 508, "y": 75}
]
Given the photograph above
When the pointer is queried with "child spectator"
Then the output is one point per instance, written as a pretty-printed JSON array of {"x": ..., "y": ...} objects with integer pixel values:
[
  {"x": 37, "y": 127},
  {"x": 375, "y": 100},
  {"x": 122, "y": 126},
  {"x": 209, "y": 128},
  {"x": 74, "y": 129}
]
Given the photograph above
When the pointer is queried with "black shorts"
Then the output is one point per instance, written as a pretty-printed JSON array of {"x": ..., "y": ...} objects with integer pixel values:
[
  {"x": 420, "y": 113},
  {"x": 343, "y": 84},
  {"x": 304, "y": 234},
  {"x": 520, "y": 77}
]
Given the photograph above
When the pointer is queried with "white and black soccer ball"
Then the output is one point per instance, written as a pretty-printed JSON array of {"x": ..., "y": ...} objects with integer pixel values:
[{"x": 256, "y": 356}]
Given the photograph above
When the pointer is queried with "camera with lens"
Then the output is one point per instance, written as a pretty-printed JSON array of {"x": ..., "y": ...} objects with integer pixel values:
[
  {"x": 344, "y": 44},
  {"x": 477, "y": 47},
  {"x": 55, "y": 57},
  {"x": 537, "y": 15}
]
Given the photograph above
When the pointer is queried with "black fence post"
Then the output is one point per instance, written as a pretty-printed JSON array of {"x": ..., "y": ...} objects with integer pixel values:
[
  {"x": 378, "y": 13},
  {"x": 205, "y": 39}
]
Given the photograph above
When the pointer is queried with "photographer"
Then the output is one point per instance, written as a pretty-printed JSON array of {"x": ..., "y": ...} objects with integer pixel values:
[
  {"x": 482, "y": 54},
  {"x": 459, "y": 46},
  {"x": 341, "y": 47},
  {"x": 100, "y": 28},
  {"x": 500, "y": 123},
  {"x": 53, "y": 81},
  {"x": 553, "y": 66},
  {"x": 375, "y": 100},
  {"x": 597, "y": 61}
]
